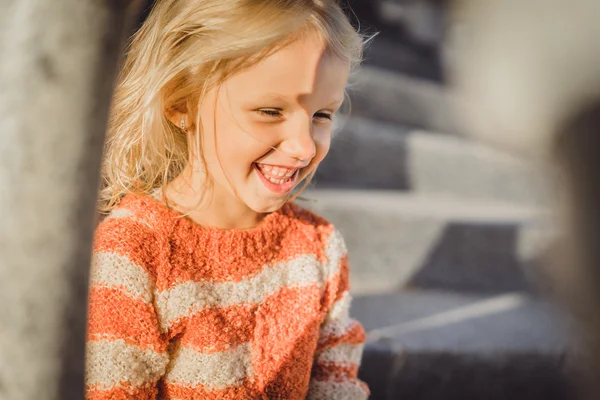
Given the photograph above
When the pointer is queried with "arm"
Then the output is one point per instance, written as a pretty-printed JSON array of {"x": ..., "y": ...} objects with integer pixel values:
[
  {"x": 341, "y": 340},
  {"x": 126, "y": 351}
]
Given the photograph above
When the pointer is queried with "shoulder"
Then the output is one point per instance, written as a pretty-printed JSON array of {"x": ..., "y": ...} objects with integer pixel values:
[
  {"x": 129, "y": 231},
  {"x": 319, "y": 228}
]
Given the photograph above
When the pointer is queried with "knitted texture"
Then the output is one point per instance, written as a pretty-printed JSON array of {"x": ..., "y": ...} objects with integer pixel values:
[{"x": 180, "y": 311}]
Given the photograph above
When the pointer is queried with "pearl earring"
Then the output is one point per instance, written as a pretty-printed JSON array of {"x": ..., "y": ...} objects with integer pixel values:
[{"x": 183, "y": 125}]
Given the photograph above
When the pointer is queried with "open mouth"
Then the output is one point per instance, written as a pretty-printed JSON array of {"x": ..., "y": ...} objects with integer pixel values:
[{"x": 277, "y": 179}]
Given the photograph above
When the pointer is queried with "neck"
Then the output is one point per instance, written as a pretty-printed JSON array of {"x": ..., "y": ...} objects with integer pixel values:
[{"x": 216, "y": 208}]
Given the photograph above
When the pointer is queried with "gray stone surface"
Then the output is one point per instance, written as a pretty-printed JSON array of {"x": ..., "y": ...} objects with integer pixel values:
[
  {"x": 409, "y": 35},
  {"x": 385, "y": 95},
  {"x": 58, "y": 63},
  {"x": 382, "y": 310},
  {"x": 479, "y": 257},
  {"x": 505, "y": 354},
  {"x": 528, "y": 322},
  {"x": 522, "y": 324},
  {"x": 463, "y": 376},
  {"x": 396, "y": 239},
  {"x": 373, "y": 155},
  {"x": 368, "y": 155},
  {"x": 441, "y": 164}
]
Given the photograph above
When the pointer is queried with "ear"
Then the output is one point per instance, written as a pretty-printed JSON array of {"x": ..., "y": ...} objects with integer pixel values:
[{"x": 178, "y": 114}]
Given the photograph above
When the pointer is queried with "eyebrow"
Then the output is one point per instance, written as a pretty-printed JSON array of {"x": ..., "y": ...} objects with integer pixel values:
[
  {"x": 336, "y": 102},
  {"x": 286, "y": 99}
]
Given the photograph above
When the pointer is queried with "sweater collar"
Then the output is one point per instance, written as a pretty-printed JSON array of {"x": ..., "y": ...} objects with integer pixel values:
[{"x": 171, "y": 223}]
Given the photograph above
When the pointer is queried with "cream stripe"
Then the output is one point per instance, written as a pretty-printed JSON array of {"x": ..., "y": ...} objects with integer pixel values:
[
  {"x": 120, "y": 213},
  {"x": 109, "y": 363},
  {"x": 215, "y": 371},
  {"x": 124, "y": 213},
  {"x": 191, "y": 297},
  {"x": 340, "y": 309},
  {"x": 117, "y": 271},
  {"x": 328, "y": 390},
  {"x": 335, "y": 249},
  {"x": 336, "y": 329},
  {"x": 342, "y": 353},
  {"x": 338, "y": 321}
]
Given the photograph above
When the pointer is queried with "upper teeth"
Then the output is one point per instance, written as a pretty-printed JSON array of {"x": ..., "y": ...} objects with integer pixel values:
[{"x": 274, "y": 171}]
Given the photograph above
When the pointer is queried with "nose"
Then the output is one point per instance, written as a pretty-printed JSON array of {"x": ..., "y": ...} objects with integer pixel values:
[{"x": 300, "y": 144}]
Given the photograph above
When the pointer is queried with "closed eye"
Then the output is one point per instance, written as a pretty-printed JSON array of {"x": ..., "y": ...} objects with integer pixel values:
[
  {"x": 324, "y": 116},
  {"x": 269, "y": 112}
]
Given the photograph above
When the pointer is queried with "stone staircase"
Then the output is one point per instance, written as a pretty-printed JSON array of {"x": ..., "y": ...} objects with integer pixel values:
[
  {"x": 399, "y": 240},
  {"x": 445, "y": 237},
  {"x": 445, "y": 276},
  {"x": 369, "y": 154}
]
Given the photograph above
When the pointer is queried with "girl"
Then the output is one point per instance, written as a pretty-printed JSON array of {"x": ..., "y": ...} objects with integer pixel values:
[{"x": 207, "y": 282}]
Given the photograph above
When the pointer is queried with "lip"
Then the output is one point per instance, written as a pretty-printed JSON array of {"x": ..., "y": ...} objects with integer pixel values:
[
  {"x": 284, "y": 166},
  {"x": 274, "y": 187}
]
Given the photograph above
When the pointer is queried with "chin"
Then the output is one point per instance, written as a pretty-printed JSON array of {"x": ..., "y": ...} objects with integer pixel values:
[{"x": 266, "y": 207}]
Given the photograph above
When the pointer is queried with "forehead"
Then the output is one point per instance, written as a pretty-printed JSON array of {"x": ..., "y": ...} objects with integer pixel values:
[{"x": 304, "y": 68}]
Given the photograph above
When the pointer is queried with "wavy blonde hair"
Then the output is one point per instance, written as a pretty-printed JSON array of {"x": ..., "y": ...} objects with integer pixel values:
[{"x": 183, "y": 49}]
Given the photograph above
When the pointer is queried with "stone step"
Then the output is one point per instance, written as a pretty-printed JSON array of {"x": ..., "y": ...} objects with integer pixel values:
[
  {"x": 443, "y": 376},
  {"x": 439, "y": 345},
  {"x": 410, "y": 35},
  {"x": 399, "y": 240},
  {"x": 374, "y": 155},
  {"x": 386, "y": 95},
  {"x": 405, "y": 57}
]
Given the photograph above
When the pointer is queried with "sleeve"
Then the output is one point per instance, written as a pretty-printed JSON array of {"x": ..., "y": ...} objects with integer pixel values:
[
  {"x": 341, "y": 339},
  {"x": 126, "y": 352}
]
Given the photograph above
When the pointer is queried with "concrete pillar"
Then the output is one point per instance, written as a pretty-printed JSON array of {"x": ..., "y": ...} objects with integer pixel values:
[{"x": 57, "y": 67}]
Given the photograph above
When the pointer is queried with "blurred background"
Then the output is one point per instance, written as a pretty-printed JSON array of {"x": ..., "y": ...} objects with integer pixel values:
[
  {"x": 448, "y": 234},
  {"x": 445, "y": 232}
]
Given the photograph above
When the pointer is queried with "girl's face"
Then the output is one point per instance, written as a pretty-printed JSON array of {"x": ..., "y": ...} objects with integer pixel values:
[{"x": 267, "y": 128}]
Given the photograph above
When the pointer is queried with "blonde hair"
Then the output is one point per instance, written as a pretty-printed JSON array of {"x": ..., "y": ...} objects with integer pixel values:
[{"x": 183, "y": 49}]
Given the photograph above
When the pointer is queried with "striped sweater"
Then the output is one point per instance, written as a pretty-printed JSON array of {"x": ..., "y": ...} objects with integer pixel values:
[{"x": 181, "y": 311}]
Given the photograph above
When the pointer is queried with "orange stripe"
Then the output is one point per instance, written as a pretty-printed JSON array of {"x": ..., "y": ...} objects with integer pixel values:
[
  {"x": 286, "y": 333},
  {"x": 214, "y": 264},
  {"x": 146, "y": 208},
  {"x": 333, "y": 371},
  {"x": 129, "y": 238},
  {"x": 123, "y": 393},
  {"x": 343, "y": 278},
  {"x": 219, "y": 329},
  {"x": 283, "y": 331},
  {"x": 113, "y": 314},
  {"x": 216, "y": 330},
  {"x": 356, "y": 335},
  {"x": 306, "y": 233},
  {"x": 171, "y": 390}
]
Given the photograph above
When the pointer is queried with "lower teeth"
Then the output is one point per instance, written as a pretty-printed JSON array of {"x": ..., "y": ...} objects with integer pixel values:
[{"x": 280, "y": 181}]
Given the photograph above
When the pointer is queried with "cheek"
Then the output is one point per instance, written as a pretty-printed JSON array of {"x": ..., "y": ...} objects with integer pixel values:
[
  {"x": 322, "y": 143},
  {"x": 235, "y": 141}
]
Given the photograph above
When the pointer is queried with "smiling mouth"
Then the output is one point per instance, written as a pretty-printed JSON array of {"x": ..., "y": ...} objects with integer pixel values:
[{"x": 277, "y": 179}]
